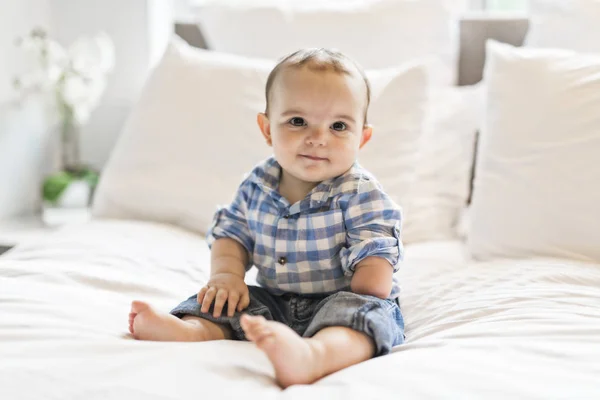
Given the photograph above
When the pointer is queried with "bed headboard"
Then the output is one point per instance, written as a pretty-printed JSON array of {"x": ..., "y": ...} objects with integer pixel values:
[{"x": 474, "y": 31}]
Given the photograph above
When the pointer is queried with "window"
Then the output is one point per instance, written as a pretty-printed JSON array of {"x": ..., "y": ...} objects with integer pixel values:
[{"x": 499, "y": 5}]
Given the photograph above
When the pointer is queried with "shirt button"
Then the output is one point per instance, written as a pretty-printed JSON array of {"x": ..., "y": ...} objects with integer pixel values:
[{"x": 282, "y": 260}]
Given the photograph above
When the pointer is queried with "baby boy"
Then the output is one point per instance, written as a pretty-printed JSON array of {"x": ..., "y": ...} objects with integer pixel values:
[{"x": 321, "y": 231}]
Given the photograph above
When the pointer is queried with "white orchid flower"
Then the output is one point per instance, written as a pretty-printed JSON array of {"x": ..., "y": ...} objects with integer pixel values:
[
  {"x": 90, "y": 56},
  {"x": 74, "y": 77},
  {"x": 82, "y": 113},
  {"x": 43, "y": 59},
  {"x": 74, "y": 90},
  {"x": 56, "y": 55},
  {"x": 93, "y": 94},
  {"x": 33, "y": 81},
  {"x": 107, "y": 51}
]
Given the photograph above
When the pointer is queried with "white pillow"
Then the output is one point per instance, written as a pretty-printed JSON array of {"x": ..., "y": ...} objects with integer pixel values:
[
  {"x": 537, "y": 178},
  {"x": 193, "y": 136},
  {"x": 376, "y": 33},
  {"x": 443, "y": 184},
  {"x": 568, "y": 24}
]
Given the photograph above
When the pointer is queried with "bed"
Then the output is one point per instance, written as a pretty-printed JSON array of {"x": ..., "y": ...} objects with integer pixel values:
[
  {"x": 510, "y": 327},
  {"x": 505, "y": 329}
]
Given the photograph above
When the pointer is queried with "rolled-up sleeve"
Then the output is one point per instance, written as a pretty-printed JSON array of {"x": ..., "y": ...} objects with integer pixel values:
[
  {"x": 231, "y": 222},
  {"x": 373, "y": 225}
]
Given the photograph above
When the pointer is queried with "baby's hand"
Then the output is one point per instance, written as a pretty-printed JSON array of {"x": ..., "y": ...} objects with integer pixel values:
[{"x": 221, "y": 288}]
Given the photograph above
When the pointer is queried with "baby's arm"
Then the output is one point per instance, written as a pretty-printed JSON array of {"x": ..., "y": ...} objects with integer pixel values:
[
  {"x": 373, "y": 276},
  {"x": 231, "y": 245},
  {"x": 228, "y": 256},
  {"x": 373, "y": 247},
  {"x": 227, "y": 270}
]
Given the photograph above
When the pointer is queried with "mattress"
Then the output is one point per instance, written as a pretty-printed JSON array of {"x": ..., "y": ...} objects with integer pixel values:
[{"x": 502, "y": 329}]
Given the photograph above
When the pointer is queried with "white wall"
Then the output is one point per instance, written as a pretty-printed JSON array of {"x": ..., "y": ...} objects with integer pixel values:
[
  {"x": 24, "y": 139},
  {"x": 140, "y": 30}
]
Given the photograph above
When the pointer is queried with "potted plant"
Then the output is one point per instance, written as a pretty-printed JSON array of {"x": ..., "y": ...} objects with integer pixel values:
[{"x": 71, "y": 81}]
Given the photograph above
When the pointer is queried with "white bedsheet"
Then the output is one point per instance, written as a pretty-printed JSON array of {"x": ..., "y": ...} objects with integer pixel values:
[{"x": 507, "y": 329}]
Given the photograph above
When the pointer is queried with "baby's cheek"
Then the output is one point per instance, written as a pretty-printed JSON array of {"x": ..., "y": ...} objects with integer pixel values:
[
  {"x": 295, "y": 142},
  {"x": 284, "y": 149},
  {"x": 349, "y": 145}
]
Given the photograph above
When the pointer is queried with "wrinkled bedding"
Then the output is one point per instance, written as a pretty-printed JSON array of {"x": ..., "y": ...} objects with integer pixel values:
[{"x": 502, "y": 329}]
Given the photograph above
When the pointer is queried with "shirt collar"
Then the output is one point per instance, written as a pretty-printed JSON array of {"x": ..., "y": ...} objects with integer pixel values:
[{"x": 267, "y": 177}]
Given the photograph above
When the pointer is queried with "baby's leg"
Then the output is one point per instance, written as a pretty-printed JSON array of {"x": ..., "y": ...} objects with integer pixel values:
[
  {"x": 145, "y": 323},
  {"x": 299, "y": 360},
  {"x": 346, "y": 329}
]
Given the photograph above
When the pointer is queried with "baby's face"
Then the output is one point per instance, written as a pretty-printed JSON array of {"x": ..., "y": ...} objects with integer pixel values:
[{"x": 316, "y": 122}]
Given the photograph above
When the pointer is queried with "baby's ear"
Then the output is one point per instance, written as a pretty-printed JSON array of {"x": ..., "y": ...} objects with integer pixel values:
[
  {"x": 366, "y": 135},
  {"x": 265, "y": 127}
]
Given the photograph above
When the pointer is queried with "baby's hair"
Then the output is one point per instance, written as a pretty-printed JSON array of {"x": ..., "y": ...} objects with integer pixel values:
[{"x": 318, "y": 59}]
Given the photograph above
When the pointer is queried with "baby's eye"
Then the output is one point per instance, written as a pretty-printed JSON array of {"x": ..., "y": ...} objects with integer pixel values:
[
  {"x": 297, "y": 121},
  {"x": 339, "y": 126}
]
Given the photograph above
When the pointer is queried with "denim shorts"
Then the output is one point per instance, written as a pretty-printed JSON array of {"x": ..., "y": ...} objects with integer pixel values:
[{"x": 380, "y": 319}]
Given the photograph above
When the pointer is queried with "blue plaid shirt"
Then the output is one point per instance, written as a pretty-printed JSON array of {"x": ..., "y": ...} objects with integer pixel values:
[{"x": 312, "y": 246}]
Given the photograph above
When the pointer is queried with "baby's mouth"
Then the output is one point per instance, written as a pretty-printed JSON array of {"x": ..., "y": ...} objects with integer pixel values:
[{"x": 314, "y": 158}]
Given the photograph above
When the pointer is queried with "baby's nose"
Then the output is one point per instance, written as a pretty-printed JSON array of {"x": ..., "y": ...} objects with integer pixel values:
[{"x": 317, "y": 136}]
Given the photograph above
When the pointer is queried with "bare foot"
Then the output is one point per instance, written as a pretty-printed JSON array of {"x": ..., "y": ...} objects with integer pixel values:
[
  {"x": 293, "y": 357},
  {"x": 145, "y": 323}
]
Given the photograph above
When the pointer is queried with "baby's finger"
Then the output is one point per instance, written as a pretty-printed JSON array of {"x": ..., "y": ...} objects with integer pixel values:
[
  {"x": 208, "y": 299},
  {"x": 244, "y": 302},
  {"x": 232, "y": 301},
  {"x": 219, "y": 302},
  {"x": 201, "y": 294}
]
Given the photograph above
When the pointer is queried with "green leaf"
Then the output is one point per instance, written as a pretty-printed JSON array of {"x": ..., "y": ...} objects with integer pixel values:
[
  {"x": 91, "y": 177},
  {"x": 55, "y": 185}
]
